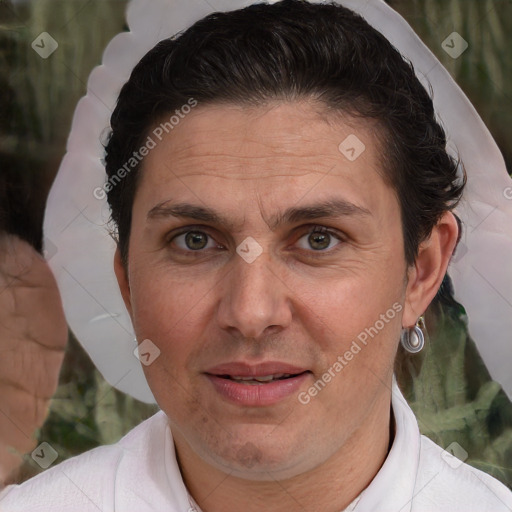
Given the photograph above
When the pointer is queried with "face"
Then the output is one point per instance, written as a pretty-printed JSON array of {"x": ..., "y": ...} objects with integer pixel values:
[{"x": 260, "y": 257}]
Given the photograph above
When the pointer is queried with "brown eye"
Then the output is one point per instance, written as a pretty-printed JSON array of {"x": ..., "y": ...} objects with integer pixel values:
[
  {"x": 193, "y": 240},
  {"x": 320, "y": 239},
  {"x": 196, "y": 240}
]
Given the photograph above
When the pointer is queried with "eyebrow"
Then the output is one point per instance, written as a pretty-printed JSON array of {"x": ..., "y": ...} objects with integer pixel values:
[{"x": 331, "y": 208}]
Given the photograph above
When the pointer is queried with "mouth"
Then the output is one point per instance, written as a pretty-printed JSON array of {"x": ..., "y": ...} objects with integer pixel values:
[
  {"x": 257, "y": 385},
  {"x": 260, "y": 380}
]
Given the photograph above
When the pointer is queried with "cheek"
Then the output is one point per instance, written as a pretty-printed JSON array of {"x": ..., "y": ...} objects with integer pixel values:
[
  {"x": 353, "y": 302},
  {"x": 172, "y": 315},
  {"x": 163, "y": 303},
  {"x": 358, "y": 318}
]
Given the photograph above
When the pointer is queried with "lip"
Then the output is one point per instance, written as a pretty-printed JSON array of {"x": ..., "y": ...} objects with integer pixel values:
[{"x": 256, "y": 395}]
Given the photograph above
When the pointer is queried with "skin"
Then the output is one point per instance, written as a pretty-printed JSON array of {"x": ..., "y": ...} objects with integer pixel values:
[
  {"x": 207, "y": 307},
  {"x": 33, "y": 337}
]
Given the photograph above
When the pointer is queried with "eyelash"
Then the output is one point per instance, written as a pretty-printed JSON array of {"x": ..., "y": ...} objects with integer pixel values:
[{"x": 312, "y": 229}]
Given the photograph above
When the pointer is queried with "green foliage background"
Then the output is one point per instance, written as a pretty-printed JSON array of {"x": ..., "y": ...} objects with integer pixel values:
[{"x": 447, "y": 386}]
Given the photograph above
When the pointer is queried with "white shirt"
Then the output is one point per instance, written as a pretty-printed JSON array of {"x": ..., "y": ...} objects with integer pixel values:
[{"x": 140, "y": 474}]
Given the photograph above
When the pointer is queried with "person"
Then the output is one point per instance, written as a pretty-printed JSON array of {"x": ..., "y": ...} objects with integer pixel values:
[{"x": 284, "y": 203}]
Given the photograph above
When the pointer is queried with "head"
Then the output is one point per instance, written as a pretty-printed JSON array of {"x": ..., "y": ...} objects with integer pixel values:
[{"x": 291, "y": 207}]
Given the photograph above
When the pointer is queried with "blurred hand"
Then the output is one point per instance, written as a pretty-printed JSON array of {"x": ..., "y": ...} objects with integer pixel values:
[{"x": 33, "y": 337}]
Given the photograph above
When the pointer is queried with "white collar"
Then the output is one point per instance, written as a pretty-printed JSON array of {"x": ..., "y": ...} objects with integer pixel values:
[{"x": 393, "y": 486}]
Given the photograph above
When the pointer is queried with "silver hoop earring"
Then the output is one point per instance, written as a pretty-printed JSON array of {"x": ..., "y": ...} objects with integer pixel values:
[{"x": 412, "y": 338}]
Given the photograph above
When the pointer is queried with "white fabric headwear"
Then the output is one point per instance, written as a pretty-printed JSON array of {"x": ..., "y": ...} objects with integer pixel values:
[{"x": 80, "y": 250}]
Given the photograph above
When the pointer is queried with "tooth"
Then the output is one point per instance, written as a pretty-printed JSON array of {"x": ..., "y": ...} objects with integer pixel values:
[
  {"x": 250, "y": 381},
  {"x": 267, "y": 378},
  {"x": 263, "y": 378}
]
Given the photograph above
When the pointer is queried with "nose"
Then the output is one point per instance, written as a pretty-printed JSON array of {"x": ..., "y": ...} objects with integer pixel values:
[{"x": 254, "y": 299}]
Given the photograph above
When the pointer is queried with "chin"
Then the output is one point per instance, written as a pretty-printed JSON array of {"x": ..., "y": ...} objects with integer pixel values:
[
  {"x": 249, "y": 463},
  {"x": 257, "y": 457}
]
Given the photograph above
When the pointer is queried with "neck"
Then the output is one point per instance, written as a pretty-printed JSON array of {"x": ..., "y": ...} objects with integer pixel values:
[{"x": 329, "y": 487}]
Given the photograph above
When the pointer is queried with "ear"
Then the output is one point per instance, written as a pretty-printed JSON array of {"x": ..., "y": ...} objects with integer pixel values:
[
  {"x": 427, "y": 273},
  {"x": 122, "y": 281}
]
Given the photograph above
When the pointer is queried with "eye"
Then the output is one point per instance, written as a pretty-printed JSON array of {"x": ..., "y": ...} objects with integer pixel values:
[
  {"x": 317, "y": 238},
  {"x": 194, "y": 241},
  {"x": 320, "y": 238}
]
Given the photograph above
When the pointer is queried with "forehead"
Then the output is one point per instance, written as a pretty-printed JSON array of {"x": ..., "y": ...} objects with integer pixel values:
[
  {"x": 294, "y": 147},
  {"x": 279, "y": 131}
]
